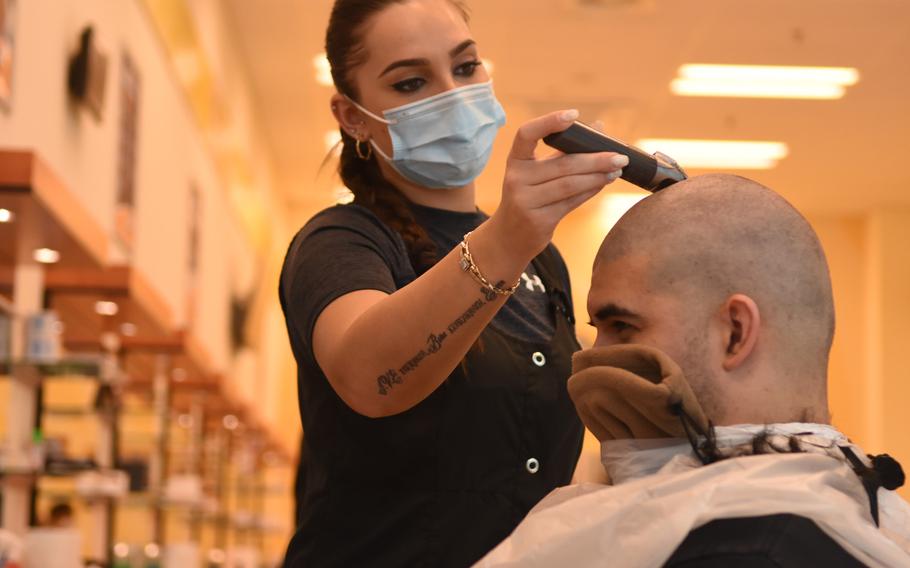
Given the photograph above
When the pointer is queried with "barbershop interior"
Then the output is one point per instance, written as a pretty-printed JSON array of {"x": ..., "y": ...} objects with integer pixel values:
[{"x": 276, "y": 287}]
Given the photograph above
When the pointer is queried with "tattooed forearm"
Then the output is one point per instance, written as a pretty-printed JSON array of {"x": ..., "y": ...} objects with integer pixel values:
[
  {"x": 463, "y": 318},
  {"x": 386, "y": 380},
  {"x": 488, "y": 296},
  {"x": 392, "y": 377}
]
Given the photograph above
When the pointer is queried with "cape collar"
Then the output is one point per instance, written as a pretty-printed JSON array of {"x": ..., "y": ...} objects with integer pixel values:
[{"x": 630, "y": 459}]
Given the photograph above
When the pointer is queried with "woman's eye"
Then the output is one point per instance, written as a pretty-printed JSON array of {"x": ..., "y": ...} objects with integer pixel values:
[
  {"x": 409, "y": 85},
  {"x": 467, "y": 69}
]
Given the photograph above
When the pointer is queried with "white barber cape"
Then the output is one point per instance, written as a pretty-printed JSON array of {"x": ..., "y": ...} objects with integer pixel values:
[{"x": 663, "y": 493}]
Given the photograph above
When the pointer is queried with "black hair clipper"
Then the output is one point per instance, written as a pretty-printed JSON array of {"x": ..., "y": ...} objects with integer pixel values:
[{"x": 651, "y": 172}]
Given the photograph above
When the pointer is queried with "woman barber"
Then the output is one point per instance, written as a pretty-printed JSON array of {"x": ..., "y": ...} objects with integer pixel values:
[{"x": 433, "y": 342}]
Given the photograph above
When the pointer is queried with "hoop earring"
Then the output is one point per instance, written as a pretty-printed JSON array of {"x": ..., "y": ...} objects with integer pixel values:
[{"x": 360, "y": 153}]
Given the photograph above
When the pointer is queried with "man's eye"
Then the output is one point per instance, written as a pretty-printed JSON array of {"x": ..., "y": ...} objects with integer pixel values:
[
  {"x": 409, "y": 85},
  {"x": 621, "y": 326}
]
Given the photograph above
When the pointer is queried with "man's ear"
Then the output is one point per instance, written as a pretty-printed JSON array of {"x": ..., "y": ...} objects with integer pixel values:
[
  {"x": 349, "y": 117},
  {"x": 742, "y": 322}
]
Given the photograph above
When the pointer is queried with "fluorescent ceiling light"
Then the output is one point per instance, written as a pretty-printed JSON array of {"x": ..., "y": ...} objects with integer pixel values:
[
  {"x": 763, "y": 81},
  {"x": 718, "y": 154},
  {"x": 106, "y": 308},
  {"x": 323, "y": 70},
  {"x": 6, "y": 216},
  {"x": 46, "y": 256},
  {"x": 615, "y": 205}
]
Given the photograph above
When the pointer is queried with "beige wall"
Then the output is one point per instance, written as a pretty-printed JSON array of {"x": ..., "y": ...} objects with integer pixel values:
[
  {"x": 83, "y": 151},
  {"x": 868, "y": 379},
  {"x": 173, "y": 154}
]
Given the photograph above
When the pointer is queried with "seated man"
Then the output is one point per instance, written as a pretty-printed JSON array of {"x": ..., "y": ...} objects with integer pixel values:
[{"x": 707, "y": 389}]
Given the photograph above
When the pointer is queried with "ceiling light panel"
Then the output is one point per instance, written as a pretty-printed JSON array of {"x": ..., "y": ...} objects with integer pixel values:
[
  {"x": 719, "y": 154},
  {"x": 763, "y": 81}
]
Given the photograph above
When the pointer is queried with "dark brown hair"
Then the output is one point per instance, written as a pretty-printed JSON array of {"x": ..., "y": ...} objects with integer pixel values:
[{"x": 345, "y": 51}]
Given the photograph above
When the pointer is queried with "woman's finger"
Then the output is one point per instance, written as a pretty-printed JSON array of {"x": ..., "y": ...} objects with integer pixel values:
[
  {"x": 556, "y": 167},
  {"x": 567, "y": 187},
  {"x": 530, "y": 133}
]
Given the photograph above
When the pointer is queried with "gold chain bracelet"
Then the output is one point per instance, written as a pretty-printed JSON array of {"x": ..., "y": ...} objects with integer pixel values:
[{"x": 468, "y": 265}]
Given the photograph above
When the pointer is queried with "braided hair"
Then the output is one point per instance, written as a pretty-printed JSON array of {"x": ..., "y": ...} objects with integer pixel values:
[{"x": 345, "y": 51}]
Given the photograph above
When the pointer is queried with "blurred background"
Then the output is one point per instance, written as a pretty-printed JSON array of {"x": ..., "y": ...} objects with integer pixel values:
[{"x": 157, "y": 157}]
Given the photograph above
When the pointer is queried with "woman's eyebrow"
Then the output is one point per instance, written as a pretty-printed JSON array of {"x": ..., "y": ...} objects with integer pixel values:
[
  {"x": 404, "y": 63},
  {"x": 461, "y": 47},
  {"x": 417, "y": 62}
]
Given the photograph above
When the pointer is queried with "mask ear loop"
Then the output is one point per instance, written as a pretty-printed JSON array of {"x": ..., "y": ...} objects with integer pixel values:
[
  {"x": 366, "y": 112},
  {"x": 373, "y": 145}
]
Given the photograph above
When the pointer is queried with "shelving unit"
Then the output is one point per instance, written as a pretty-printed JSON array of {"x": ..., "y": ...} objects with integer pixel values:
[
  {"x": 169, "y": 383},
  {"x": 149, "y": 372},
  {"x": 46, "y": 217}
]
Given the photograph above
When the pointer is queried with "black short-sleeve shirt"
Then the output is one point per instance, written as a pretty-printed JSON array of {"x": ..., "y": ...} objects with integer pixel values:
[{"x": 443, "y": 482}]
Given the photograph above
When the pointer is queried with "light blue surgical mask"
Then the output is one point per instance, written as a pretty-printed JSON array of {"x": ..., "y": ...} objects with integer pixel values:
[{"x": 443, "y": 141}]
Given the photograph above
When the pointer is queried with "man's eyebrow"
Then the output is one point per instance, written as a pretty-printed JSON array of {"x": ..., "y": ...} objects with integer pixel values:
[
  {"x": 611, "y": 311},
  {"x": 417, "y": 62}
]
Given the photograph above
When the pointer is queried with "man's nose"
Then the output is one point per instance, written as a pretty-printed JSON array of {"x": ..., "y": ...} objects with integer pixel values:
[{"x": 601, "y": 340}]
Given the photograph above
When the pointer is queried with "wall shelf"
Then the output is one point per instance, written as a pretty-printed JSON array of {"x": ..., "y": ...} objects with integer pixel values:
[{"x": 46, "y": 214}]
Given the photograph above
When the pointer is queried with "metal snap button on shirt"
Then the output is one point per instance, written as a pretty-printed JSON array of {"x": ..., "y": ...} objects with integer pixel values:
[
  {"x": 532, "y": 465},
  {"x": 539, "y": 359}
]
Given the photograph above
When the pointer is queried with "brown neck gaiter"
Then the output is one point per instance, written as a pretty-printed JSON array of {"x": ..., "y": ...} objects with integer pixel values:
[{"x": 630, "y": 391}]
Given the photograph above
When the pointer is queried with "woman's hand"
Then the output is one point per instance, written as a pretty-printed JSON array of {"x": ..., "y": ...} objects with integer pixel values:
[{"x": 538, "y": 192}]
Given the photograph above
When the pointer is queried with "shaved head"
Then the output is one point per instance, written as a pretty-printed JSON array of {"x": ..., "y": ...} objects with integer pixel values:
[{"x": 703, "y": 240}]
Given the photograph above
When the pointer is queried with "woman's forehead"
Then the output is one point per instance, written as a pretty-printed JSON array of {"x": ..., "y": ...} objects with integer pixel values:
[{"x": 414, "y": 29}]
